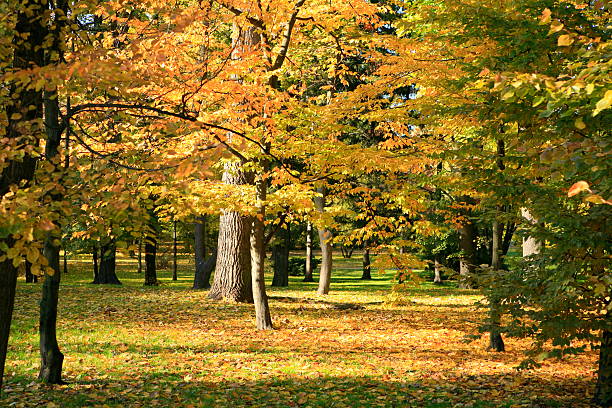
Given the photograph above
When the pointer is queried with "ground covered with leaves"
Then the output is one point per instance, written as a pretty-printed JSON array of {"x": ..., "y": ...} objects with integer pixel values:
[{"x": 135, "y": 346}]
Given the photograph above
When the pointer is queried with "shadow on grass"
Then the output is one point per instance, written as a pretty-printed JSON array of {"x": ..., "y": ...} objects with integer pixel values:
[{"x": 199, "y": 389}]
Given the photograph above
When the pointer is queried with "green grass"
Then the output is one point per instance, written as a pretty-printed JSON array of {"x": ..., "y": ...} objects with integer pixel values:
[{"x": 170, "y": 346}]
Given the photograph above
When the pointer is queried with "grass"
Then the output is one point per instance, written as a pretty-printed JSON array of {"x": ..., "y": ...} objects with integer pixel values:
[{"x": 170, "y": 346}]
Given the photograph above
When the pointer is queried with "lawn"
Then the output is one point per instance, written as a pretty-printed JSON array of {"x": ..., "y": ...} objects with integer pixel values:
[{"x": 135, "y": 346}]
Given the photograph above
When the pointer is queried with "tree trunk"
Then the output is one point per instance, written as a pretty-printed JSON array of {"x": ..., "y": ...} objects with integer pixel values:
[
  {"x": 308, "y": 272},
  {"x": 23, "y": 114},
  {"x": 280, "y": 257},
  {"x": 258, "y": 255},
  {"x": 50, "y": 355},
  {"x": 367, "y": 270},
  {"x": 150, "y": 259},
  {"x": 95, "y": 263},
  {"x": 232, "y": 279},
  {"x": 8, "y": 282},
  {"x": 496, "y": 342},
  {"x": 467, "y": 260},
  {"x": 140, "y": 255},
  {"x": 603, "y": 389},
  {"x": 437, "y": 272},
  {"x": 203, "y": 271},
  {"x": 325, "y": 237},
  {"x": 108, "y": 262},
  {"x": 174, "y": 254},
  {"x": 29, "y": 276},
  {"x": 530, "y": 245},
  {"x": 65, "y": 262}
]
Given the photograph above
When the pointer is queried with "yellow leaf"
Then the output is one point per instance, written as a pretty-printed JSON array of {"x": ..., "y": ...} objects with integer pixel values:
[
  {"x": 545, "y": 17},
  {"x": 604, "y": 103},
  {"x": 555, "y": 27},
  {"x": 564, "y": 40},
  {"x": 579, "y": 123},
  {"x": 577, "y": 188}
]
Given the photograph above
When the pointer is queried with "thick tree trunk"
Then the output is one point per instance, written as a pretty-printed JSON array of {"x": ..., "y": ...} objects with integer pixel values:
[
  {"x": 8, "y": 282},
  {"x": 258, "y": 255},
  {"x": 367, "y": 269},
  {"x": 203, "y": 266},
  {"x": 603, "y": 389},
  {"x": 232, "y": 279},
  {"x": 174, "y": 253},
  {"x": 24, "y": 113},
  {"x": 437, "y": 272},
  {"x": 108, "y": 262},
  {"x": 530, "y": 245},
  {"x": 280, "y": 257},
  {"x": 308, "y": 272},
  {"x": 467, "y": 260},
  {"x": 325, "y": 238}
]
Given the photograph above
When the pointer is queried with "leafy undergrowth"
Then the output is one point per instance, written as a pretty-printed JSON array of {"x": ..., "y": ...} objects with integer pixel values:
[{"x": 132, "y": 346}]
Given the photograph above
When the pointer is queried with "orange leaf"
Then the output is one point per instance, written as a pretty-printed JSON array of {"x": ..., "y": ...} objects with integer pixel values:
[{"x": 578, "y": 188}]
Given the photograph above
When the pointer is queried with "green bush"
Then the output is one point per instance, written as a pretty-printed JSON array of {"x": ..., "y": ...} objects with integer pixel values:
[{"x": 297, "y": 265}]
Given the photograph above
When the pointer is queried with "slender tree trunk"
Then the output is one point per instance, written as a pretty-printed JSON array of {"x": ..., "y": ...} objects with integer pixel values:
[
  {"x": 367, "y": 269},
  {"x": 65, "y": 262},
  {"x": 140, "y": 255},
  {"x": 308, "y": 272},
  {"x": 108, "y": 263},
  {"x": 95, "y": 263},
  {"x": 232, "y": 279},
  {"x": 50, "y": 354},
  {"x": 437, "y": 272},
  {"x": 203, "y": 272},
  {"x": 29, "y": 276},
  {"x": 496, "y": 342},
  {"x": 325, "y": 237},
  {"x": 23, "y": 114},
  {"x": 174, "y": 255},
  {"x": 603, "y": 389},
  {"x": 151, "y": 252},
  {"x": 258, "y": 255},
  {"x": 467, "y": 260}
]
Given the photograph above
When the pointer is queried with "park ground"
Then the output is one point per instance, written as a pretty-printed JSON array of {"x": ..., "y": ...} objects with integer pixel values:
[{"x": 360, "y": 346}]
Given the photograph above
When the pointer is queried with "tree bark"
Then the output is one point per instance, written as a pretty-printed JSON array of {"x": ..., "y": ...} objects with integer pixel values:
[
  {"x": 258, "y": 255},
  {"x": 467, "y": 260},
  {"x": 232, "y": 279},
  {"x": 203, "y": 266},
  {"x": 8, "y": 283},
  {"x": 437, "y": 272},
  {"x": 174, "y": 253},
  {"x": 108, "y": 262},
  {"x": 325, "y": 237},
  {"x": 280, "y": 257},
  {"x": 22, "y": 120},
  {"x": 308, "y": 272},
  {"x": 603, "y": 389},
  {"x": 151, "y": 253},
  {"x": 496, "y": 342},
  {"x": 95, "y": 263},
  {"x": 367, "y": 269},
  {"x": 140, "y": 255}
]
